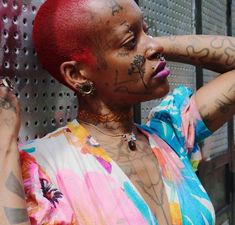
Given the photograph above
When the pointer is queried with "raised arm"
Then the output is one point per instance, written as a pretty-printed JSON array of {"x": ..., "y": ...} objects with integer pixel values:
[
  {"x": 12, "y": 200},
  {"x": 216, "y": 100}
]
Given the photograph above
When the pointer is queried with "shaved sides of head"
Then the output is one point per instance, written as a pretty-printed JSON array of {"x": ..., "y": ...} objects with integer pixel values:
[{"x": 60, "y": 33}]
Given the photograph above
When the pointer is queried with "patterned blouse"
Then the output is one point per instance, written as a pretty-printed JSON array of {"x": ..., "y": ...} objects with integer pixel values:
[{"x": 70, "y": 179}]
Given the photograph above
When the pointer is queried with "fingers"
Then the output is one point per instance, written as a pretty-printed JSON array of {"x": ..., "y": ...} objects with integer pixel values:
[
  {"x": 7, "y": 96},
  {"x": 6, "y": 85}
]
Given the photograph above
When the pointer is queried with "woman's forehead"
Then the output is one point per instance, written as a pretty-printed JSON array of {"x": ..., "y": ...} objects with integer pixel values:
[{"x": 112, "y": 14}]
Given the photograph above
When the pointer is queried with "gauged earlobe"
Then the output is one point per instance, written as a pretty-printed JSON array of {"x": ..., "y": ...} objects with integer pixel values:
[{"x": 86, "y": 89}]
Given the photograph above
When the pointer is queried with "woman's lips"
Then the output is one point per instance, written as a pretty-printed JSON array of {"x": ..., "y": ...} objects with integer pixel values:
[{"x": 161, "y": 71}]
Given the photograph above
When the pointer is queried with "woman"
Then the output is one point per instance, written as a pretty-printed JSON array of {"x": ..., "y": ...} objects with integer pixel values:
[{"x": 102, "y": 168}]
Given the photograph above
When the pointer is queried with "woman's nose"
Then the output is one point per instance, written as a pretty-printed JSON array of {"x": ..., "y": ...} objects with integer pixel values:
[{"x": 154, "y": 49}]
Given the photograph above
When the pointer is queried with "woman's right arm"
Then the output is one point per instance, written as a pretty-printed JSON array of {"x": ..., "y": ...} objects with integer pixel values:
[{"x": 12, "y": 199}]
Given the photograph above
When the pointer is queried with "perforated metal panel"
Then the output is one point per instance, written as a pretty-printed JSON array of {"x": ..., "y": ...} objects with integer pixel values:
[
  {"x": 170, "y": 17},
  {"x": 214, "y": 22},
  {"x": 45, "y": 103}
]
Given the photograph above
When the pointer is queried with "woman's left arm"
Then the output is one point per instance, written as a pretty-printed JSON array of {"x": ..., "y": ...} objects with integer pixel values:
[{"x": 215, "y": 100}]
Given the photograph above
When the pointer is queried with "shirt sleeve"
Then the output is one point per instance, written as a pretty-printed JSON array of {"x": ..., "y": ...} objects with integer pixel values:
[
  {"x": 45, "y": 203},
  {"x": 177, "y": 120}
]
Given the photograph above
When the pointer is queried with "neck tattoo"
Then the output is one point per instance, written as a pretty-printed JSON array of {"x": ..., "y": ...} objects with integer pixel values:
[
  {"x": 99, "y": 118},
  {"x": 130, "y": 138}
]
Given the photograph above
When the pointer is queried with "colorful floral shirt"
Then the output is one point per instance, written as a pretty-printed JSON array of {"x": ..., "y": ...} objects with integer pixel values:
[{"x": 70, "y": 179}]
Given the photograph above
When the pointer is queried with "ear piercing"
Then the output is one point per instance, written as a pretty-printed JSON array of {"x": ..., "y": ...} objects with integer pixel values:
[{"x": 87, "y": 88}]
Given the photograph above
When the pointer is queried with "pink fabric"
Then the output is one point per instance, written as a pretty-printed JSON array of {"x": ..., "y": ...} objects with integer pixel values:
[{"x": 189, "y": 115}]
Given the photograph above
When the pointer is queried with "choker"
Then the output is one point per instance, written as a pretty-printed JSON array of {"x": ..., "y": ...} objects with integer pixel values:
[
  {"x": 98, "y": 118},
  {"x": 130, "y": 138}
]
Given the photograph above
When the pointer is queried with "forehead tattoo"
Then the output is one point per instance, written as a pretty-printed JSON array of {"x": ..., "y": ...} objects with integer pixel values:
[{"x": 116, "y": 8}]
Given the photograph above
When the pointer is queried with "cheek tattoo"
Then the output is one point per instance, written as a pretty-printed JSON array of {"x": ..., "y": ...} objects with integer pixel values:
[{"x": 137, "y": 67}]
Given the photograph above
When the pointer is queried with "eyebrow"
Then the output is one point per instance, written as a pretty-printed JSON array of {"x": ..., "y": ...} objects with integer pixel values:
[
  {"x": 123, "y": 28},
  {"x": 128, "y": 26}
]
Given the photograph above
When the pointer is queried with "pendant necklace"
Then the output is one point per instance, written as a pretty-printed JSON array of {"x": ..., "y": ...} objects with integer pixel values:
[{"x": 130, "y": 138}]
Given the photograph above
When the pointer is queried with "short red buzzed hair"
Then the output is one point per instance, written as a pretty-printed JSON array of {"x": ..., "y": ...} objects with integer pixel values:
[{"x": 60, "y": 33}]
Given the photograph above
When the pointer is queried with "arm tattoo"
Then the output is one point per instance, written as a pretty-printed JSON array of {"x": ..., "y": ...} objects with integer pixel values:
[
  {"x": 218, "y": 43},
  {"x": 5, "y": 103},
  {"x": 203, "y": 53},
  {"x": 227, "y": 44},
  {"x": 15, "y": 215},
  {"x": 224, "y": 104},
  {"x": 229, "y": 52},
  {"x": 206, "y": 117},
  {"x": 13, "y": 185}
]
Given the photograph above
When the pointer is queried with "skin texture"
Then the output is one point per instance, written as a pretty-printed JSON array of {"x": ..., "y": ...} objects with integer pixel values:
[
  {"x": 120, "y": 61},
  {"x": 126, "y": 79},
  {"x": 123, "y": 72},
  {"x": 216, "y": 100},
  {"x": 12, "y": 206}
]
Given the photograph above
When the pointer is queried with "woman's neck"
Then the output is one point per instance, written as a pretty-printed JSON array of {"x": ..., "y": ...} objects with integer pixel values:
[{"x": 108, "y": 119}]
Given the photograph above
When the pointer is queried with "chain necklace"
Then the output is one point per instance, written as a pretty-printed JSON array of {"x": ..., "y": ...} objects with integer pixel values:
[{"x": 129, "y": 137}]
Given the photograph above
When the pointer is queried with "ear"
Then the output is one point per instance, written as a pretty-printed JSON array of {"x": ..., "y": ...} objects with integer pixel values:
[{"x": 73, "y": 74}]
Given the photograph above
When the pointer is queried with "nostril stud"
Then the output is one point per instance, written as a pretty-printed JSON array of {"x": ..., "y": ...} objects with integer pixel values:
[{"x": 162, "y": 58}]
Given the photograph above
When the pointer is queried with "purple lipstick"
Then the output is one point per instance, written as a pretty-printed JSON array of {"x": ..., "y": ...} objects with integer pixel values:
[{"x": 161, "y": 71}]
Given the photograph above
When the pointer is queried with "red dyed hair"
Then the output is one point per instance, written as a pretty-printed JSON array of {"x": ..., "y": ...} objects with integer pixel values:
[{"x": 60, "y": 33}]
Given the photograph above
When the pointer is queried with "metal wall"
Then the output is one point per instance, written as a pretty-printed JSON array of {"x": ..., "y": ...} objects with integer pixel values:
[
  {"x": 171, "y": 17},
  {"x": 45, "y": 103}
]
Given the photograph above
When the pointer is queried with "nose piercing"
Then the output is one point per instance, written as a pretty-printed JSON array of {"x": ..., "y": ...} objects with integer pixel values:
[{"x": 162, "y": 58}]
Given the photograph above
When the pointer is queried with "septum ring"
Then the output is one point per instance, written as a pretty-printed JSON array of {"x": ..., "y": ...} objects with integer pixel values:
[{"x": 6, "y": 82}]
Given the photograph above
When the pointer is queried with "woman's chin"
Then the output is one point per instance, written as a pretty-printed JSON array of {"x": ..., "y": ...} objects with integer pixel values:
[{"x": 162, "y": 90}]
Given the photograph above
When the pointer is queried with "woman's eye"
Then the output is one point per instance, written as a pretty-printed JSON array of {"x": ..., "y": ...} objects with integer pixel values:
[{"x": 130, "y": 44}]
